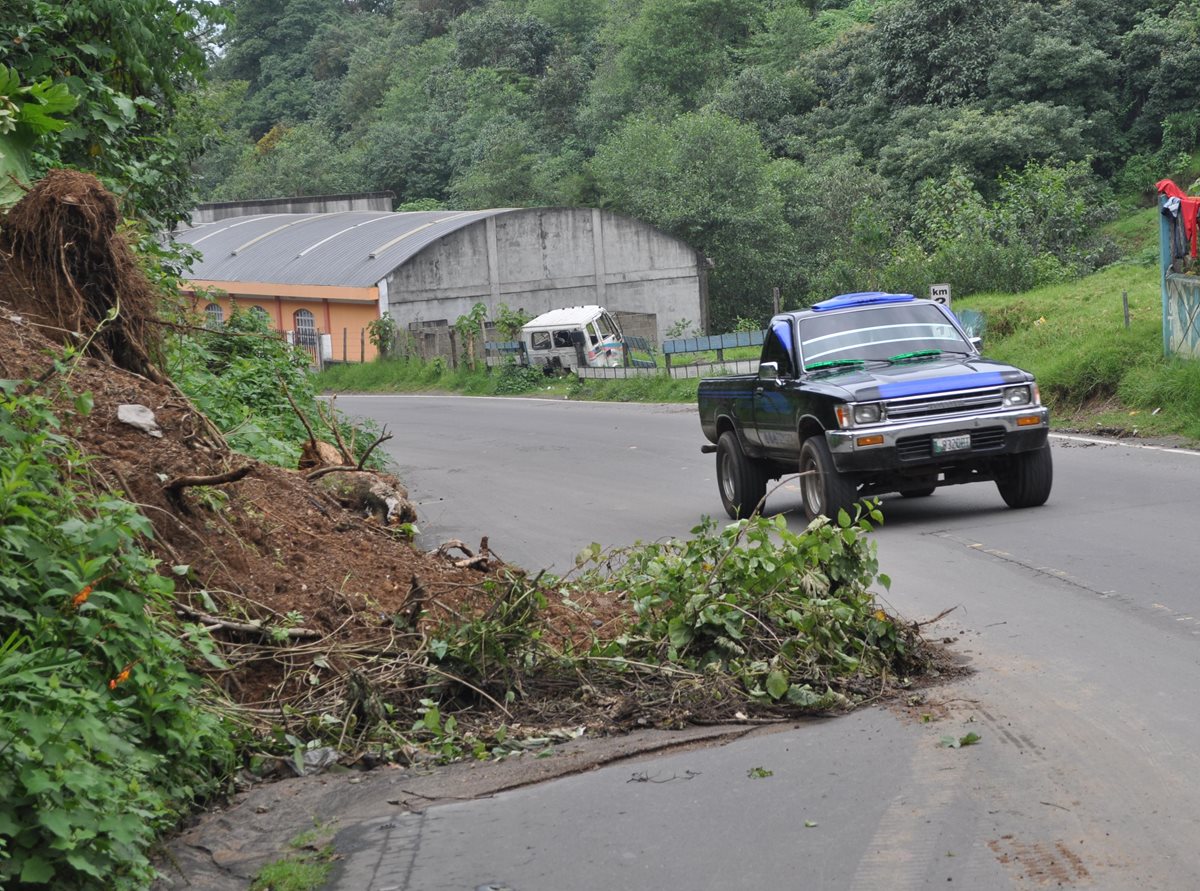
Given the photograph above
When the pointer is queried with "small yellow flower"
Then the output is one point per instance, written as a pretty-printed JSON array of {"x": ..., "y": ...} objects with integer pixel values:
[{"x": 880, "y": 615}]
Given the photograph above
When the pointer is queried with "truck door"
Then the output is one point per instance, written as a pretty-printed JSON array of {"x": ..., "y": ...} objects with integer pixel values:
[{"x": 774, "y": 412}]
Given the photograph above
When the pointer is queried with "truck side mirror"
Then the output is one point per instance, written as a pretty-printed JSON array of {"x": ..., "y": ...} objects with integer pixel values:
[
  {"x": 977, "y": 342},
  {"x": 768, "y": 371}
]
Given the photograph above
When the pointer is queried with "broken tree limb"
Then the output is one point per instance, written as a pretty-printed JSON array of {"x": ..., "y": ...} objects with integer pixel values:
[
  {"x": 213, "y": 622},
  {"x": 312, "y": 437},
  {"x": 321, "y": 471},
  {"x": 384, "y": 437},
  {"x": 330, "y": 420},
  {"x": 354, "y": 468},
  {"x": 443, "y": 550},
  {"x": 174, "y": 486}
]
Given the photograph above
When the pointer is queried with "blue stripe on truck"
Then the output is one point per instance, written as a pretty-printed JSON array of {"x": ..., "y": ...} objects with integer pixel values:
[{"x": 940, "y": 384}]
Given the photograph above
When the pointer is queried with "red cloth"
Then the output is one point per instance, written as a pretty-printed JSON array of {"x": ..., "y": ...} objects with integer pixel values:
[
  {"x": 1167, "y": 187},
  {"x": 1188, "y": 208}
]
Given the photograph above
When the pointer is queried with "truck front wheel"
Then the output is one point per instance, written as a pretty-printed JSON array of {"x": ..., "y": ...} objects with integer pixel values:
[
  {"x": 825, "y": 491},
  {"x": 1027, "y": 479},
  {"x": 741, "y": 480}
]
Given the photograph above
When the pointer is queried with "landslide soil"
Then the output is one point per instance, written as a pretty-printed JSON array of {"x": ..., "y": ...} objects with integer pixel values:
[{"x": 273, "y": 548}]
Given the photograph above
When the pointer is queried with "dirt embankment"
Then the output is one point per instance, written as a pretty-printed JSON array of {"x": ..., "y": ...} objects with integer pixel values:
[{"x": 317, "y": 600}]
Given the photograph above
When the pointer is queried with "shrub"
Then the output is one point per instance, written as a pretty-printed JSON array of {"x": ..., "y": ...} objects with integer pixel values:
[{"x": 104, "y": 735}]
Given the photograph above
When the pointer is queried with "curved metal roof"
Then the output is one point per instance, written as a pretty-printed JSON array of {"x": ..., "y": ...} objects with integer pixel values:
[{"x": 350, "y": 248}]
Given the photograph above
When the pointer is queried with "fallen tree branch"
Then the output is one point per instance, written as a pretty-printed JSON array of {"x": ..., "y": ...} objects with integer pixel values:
[
  {"x": 352, "y": 468},
  {"x": 230, "y": 476},
  {"x": 443, "y": 550},
  {"x": 384, "y": 437},
  {"x": 331, "y": 422},
  {"x": 321, "y": 471},
  {"x": 937, "y": 618},
  {"x": 213, "y": 622},
  {"x": 312, "y": 437}
]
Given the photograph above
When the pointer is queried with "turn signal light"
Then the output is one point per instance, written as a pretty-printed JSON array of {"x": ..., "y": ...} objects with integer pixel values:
[
  {"x": 870, "y": 440},
  {"x": 1029, "y": 421}
]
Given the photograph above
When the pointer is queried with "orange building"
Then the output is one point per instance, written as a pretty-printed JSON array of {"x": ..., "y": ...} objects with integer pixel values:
[{"x": 323, "y": 269}]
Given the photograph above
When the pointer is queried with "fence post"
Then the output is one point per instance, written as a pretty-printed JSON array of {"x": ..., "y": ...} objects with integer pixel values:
[
  {"x": 453, "y": 349},
  {"x": 362, "y": 345},
  {"x": 345, "y": 352}
]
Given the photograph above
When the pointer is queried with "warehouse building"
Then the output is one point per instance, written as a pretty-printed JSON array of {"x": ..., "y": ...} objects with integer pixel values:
[{"x": 328, "y": 273}]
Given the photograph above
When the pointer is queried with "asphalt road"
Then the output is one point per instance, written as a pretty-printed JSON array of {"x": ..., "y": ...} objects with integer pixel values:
[{"x": 1081, "y": 619}]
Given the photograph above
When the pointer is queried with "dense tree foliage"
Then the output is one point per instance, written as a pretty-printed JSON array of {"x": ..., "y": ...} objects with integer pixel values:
[
  {"x": 131, "y": 68},
  {"x": 813, "y": 146}
]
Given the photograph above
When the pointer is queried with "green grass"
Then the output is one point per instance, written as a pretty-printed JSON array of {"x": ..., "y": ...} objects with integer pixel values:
[
  {"x": 1093, "y": 372},
  {"x": 306, "y": 870},
  {"x": 1136, "y": 235},
  {"x": 405, "y": 376}
]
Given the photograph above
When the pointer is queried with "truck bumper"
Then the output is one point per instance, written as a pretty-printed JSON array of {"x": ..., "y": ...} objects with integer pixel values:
[{"x": 912, "y": 445}]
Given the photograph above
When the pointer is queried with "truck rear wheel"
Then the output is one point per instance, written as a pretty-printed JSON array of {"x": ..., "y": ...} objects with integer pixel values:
[
  {"x": 1027, "y": 479},
  {"x": 824, "y": 490},
  {"x": 742, "y": 481}
]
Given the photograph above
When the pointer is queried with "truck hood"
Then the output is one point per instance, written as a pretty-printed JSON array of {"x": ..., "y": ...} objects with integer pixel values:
[{"x": 916, "y": 378}]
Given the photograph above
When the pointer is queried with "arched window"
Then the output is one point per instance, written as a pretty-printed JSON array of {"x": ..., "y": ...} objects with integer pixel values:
[
  {"x": 214, "y": 316},
  {"x": 261, "y": 314},
  {"x": 306, "y": 327}
]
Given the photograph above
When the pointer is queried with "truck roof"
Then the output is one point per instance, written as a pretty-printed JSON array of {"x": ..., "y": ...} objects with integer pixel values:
[{"x": 565, "y": 317}]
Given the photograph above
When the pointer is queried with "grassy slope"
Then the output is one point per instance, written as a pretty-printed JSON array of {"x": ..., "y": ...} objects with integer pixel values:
[{"x": 1095, "y": 373}]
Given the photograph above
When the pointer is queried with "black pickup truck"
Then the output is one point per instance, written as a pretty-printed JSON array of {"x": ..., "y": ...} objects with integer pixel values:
[{"x": 870, "y": 393}]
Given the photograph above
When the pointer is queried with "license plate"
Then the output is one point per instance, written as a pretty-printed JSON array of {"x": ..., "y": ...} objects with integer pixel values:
[{"x": 943, "y": 444}]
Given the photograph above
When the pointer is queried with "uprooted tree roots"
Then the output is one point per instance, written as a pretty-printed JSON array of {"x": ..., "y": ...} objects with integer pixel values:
[{"x": 68, "y": 269}]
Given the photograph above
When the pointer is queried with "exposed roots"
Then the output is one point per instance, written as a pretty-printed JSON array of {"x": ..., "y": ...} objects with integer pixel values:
[{"x": 69, "y": 270}]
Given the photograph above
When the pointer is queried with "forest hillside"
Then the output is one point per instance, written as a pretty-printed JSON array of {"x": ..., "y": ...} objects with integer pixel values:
[{"x": 817, "y": 146}]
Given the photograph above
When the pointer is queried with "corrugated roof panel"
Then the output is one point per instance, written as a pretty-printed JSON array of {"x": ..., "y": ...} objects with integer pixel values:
[{"x": 350, "y": 248}]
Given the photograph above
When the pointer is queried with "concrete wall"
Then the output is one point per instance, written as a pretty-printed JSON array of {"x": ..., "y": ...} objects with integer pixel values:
[
  {"x": 544, "y": 258},
  {"x": 210, "y": 213}
]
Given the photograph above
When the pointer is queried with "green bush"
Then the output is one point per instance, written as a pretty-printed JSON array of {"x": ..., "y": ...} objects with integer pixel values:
[
  {"x": 105, "y": 737},
  {"x": 236, "y": 375},
  {"x": 787, "y": 614}
]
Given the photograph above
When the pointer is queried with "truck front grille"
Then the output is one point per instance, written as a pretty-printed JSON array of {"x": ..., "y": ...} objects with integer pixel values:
[
  {"x": 920, "y": 448},
  {"x": 940, "y": 405}
]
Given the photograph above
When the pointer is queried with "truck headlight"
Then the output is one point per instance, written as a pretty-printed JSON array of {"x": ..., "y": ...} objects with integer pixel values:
[
  {"x": 856, "y": 415},
  {"x": 1014, "y": 396},
  {"x": 868, "y": 413}
]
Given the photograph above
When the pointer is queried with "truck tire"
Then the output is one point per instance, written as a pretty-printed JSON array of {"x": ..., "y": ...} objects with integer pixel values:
[
  {"x": 824, "y": 490},
  {"x": 1027, "y": 479},
  {"x": 741, "y": 481}
]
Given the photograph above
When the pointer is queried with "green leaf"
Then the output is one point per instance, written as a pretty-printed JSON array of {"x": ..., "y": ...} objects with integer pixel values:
[
  {"x": 970, "y": 739},
  {"x": 57, "y": 821},
  {"x": 49, "y": 99},
  {"x": 679, "y": 632},
  {"x": 777, "y": 684},
  {"x": 36, "y": 871}
]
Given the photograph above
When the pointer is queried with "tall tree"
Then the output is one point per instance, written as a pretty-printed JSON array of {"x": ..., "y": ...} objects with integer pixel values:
[{"x": 131, "y": 66}]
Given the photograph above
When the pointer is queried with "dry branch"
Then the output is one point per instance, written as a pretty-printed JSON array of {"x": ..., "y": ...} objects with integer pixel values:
[
  {"x": 230, "y": 476},
  {"x": 212, "y": 622}
]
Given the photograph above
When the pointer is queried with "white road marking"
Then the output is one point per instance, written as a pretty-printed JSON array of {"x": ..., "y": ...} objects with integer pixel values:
[{"x": 1094, "y": 440}]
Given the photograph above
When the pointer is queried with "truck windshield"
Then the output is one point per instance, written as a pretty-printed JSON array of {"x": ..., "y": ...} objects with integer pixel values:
[{"x": 880, "y": 332}]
